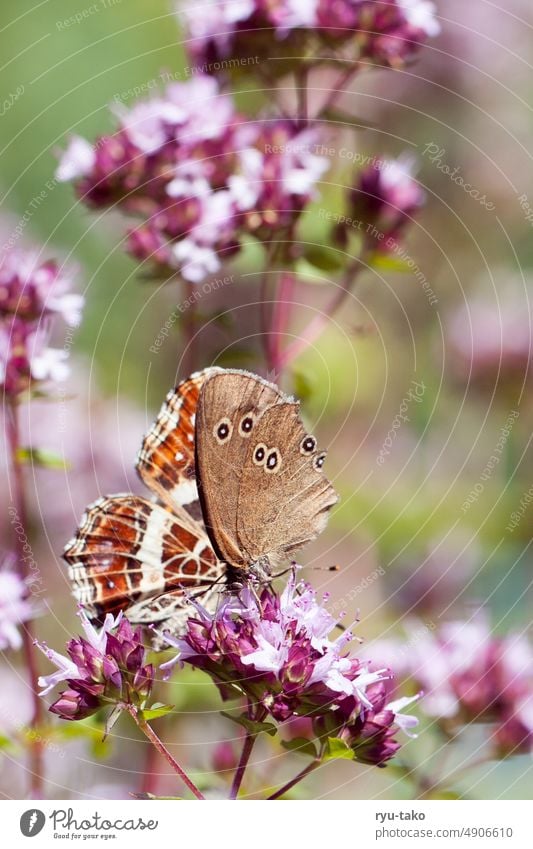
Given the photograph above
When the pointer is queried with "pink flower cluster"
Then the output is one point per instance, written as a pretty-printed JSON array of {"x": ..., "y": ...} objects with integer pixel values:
[
  {"x": 32, "y": 292},
  {"x": 492, "y": 341},
  {"x": 106, "y": 667},
  {"x": 469, "y": 675},
  {"x": 278, "y": 653},
  {"x": 226, "y": 34},
  {"x": 197, "y": 175},
  {"x": 383, "y": 201},
  {"x": 15, "y": 607}
]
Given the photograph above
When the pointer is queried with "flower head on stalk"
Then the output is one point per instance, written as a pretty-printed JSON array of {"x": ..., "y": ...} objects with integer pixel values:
[
  {"x": 105, "y": 668},
  {"x": 385, "y": 198},
  {"x": 228, "y": 35},
  {"x": 31, "y": 289},
  {"x": 196, "y": 176},
  {"x": 277, "y": 651},
  {"x": 15, "y": 608},
  {"x": 32, "y": 293}
]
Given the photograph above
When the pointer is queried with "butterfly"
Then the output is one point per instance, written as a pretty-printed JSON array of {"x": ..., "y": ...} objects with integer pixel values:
[{"x": 237, "y": 486}]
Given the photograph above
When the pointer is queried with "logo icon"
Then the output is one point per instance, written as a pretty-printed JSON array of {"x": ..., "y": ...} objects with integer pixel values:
[{"x": 32, "y": 822}]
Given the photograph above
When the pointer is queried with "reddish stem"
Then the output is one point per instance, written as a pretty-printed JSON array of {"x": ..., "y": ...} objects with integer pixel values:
[
  {"x": 249, "y": 742},
  {"x": 296, "y": 780},
  {"x": 149, "y": 732},
  {"x": 19, "y": 503},
  {"x": 338, "y": 87},
  {"x": 149, "y": 775},
  {"x": 280, "y": 319},
  {"x": 189, "y": 328},
  {"x": 319, "y": 323}
]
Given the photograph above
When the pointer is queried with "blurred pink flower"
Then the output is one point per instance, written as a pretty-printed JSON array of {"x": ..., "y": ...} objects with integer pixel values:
[
  {"x": 385, "y": 199},
  {"x": 15, "y": 608},
  {"x": 230, "y": 32},
  {"x": 492, "y": 340},
  {"x": 32, "y": 292},
  {"x": 197, "y": 175},
  {"x": 469, "y": 675}
]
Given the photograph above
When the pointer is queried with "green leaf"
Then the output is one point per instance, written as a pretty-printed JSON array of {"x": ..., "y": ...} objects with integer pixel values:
[
  {"x": 301, "y": 745},
  {"x": 323, "y": 257},
  {"x": 158, "y": 709},
  {"x": 386, "y": 262},
  {"x": 251, "y": 726},
  {"x": 337, "y": 748},
  {"x": 110, "y": 721},
  {"x": 37, "y": 457},
  {"x": 302, "y": 386}
]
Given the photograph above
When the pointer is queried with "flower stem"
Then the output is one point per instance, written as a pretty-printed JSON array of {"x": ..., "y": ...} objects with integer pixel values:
[
  {"x": 149, "y": 732},
  {"x": 318, "y": 324},
  {"x": 296, "y": 780},
  {"x": 337, "y": 87},
  {"x": 249, "y": 743},
  {"x": 189, "y": 328},
  {"x": 302, "y": 92},
  {"x": 19, "y": 504}
]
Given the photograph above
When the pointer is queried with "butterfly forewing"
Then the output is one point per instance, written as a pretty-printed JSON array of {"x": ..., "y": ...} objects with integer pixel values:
[
  {"x": 230, "y": 406},
  {"x": 284, "y": 497},
  {"x": 132, "y": 554},
  {"x": 166, "y": 461},
  {"x": 239, "y": 481}
]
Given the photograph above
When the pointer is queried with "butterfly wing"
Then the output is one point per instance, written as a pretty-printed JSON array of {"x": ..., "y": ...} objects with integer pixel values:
[
  {"x": 131, "y": 554},
  {"x": 284, "y": 497},
  {"x": 230, "y": 406},
  {"x": 166, "y": 461}
]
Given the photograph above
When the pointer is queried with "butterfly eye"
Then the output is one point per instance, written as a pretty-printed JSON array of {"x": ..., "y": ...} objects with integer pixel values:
[
  {"x": 246, "y": 425},
  {"x": 222, "y": 431},
  {"x": 273, "y": 461},
  {"x": 318, "y": 461},
  {"x": 307, "y": 445},
  {"x": 259, "y": 454}
]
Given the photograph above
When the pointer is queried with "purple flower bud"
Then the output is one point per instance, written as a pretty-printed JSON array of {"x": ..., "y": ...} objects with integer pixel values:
[
  {"x": 75, "y": 705},
  {"x": 384, "y": 200},
  {"x": 107, "y": 667}
]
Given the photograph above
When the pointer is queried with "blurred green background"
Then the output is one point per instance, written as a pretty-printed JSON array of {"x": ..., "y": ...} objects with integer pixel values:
[{"x": 469, "y": 94}]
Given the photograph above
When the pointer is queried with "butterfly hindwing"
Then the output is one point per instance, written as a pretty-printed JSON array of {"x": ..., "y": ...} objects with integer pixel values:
[
  {"x": 131, "y": 554},
  {"x": 230, "y": 405},
  {"x": 166, "y": 461},
  {"x": 284, "y": 497}
]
